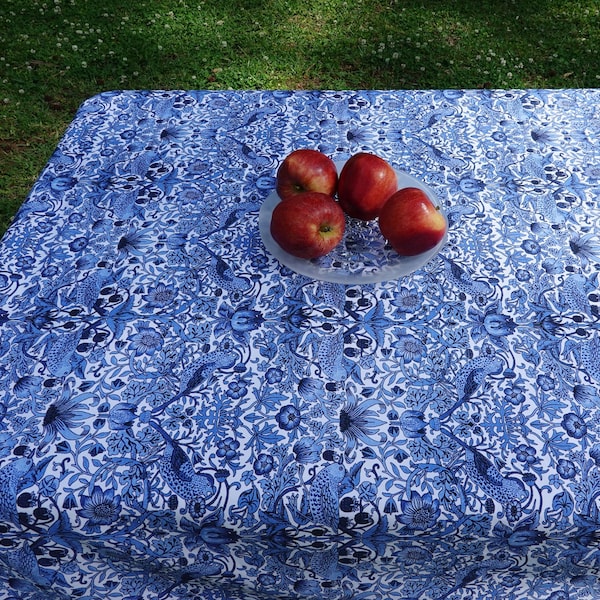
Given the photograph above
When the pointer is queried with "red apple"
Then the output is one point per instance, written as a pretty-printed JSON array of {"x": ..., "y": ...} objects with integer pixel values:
[
  {"x": 306, "y": 170},
  {"x": 365, "y": 183},
  {"x": 411, "y": 223},
  {"x": 309, "y": 226}
]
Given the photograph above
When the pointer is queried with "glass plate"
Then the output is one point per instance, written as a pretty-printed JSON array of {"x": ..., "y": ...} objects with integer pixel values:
[{"x": 363, "y": 255}]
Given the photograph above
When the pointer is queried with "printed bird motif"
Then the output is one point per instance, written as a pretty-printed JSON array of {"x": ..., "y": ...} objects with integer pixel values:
[
  {"x": 546, "y": 205},
  {"x": 232, "y": 216},
  {"x": 434, "y": 153},
  {"x": 473, "y": 374},
  {"x": 226, "y": 219},
  {"x": 12, "y": 475},
  {"x": 24, "y": 562},
  {"x": 471, "y": 377},
  {"x": 463, "y": 280},
  {"x": 60, "y": 352},
  {"x": 88, "y": 290},
  {"x": 473, "y": 573},
  {"x": 456, "y": 212},
  {"x": 204, "y": 367},
  {"x": 589, "y": 356},
  {"x": 533, "y": 166},
  {"x": 485, "y": 474},
  {"x": 204, "y": 567},
  {"x": 161, "y": 107},
  {"x": 323, "y": 495},
  {"x": 325, "y": 564},
  {"x": 178, "y": 472},
  {"x": 224, "y": 275},
  {"x": 141, "y": 163},
  {"x": 482, "y": 471},
  {"x": 574, "y": 294},
  {"x": 330, "y": 354},
  {"x": 334, "y": 294},
  {"x": 218, "y": 268},
  {"x": 220, "y": 271},
  {"x": 123, "y": 203},
  {"x": 514, "y": 108},
  {"x": 201, "y": 370}
]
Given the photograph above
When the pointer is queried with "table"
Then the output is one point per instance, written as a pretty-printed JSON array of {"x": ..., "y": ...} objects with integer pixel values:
[{"x": 183, "y": 417}]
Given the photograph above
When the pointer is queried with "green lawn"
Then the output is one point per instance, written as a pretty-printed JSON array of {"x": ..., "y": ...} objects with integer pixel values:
[{"x": 56, "y": 53}]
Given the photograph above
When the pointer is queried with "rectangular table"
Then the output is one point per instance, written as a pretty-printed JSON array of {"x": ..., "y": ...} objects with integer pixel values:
[{"x": 182, "y": 416}]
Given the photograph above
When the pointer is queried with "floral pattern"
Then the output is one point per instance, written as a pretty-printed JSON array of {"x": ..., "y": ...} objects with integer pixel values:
[{"x": 181, "y": 416}]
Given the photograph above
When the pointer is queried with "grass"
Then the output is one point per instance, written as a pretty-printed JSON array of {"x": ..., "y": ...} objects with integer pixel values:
[{"x": 56, "y": 53}]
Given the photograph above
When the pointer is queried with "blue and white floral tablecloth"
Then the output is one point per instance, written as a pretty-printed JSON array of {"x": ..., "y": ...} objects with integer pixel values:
[{"x": 182, "y": 417}]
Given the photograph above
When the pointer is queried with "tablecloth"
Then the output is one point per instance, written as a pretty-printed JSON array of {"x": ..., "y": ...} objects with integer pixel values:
[{"x": 181, "y": 416}]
